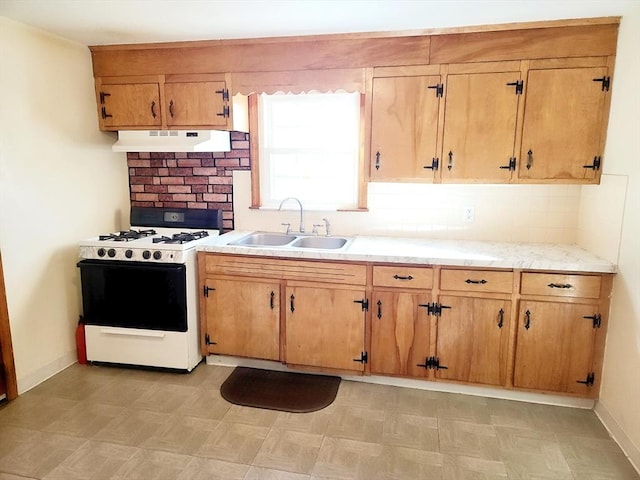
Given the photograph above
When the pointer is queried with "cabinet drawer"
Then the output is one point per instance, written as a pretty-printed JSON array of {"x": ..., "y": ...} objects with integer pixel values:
[
  {"x": 476, "y": 281},
  {"x": 259, "y": 267},
  {"x": 561, "y": 285},
  {"x": 405, "y": 277}
]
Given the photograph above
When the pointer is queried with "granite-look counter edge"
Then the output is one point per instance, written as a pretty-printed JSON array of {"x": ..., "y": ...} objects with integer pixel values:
[{"x": 420, "y": 251}]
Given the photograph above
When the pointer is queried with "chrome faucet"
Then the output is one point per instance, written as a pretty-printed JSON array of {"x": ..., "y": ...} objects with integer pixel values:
[{"x": 301, "y": 211}]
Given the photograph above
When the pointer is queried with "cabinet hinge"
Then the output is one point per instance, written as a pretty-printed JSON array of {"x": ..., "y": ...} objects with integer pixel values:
[
  {"x": 439, "y": 88},
  {"x": 206, "y": 290},
  {"x": 434, "y": 164},
  {"x": 589, "y": 381},
  {"x": 364, "y": 358},
  {"x": 519, "y": 84},
  {"x": 364, "y": 302},
  {"x": 596, "y": 318},
  {"x": 596, "y": 163},
  {"x": 103, "y": 96},
  {"x": 435, "y": 309},
  {"x": 225, "y": 94},
  {"x": 207, "y": 340},
  {"x": 606, "y": 82},
  {"x": 432, "y": 363}
]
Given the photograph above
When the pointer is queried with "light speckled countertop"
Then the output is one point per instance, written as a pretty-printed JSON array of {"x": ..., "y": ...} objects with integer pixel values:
[{"x": 526, "y": 256}]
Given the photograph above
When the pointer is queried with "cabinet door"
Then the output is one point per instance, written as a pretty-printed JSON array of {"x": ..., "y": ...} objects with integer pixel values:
[
  {"x": 554, "y": 349},
  {"x": 472, "y": 339},
  {"x": 562, "y": 124},
  {"x": 196, "y": 103},
  {"x": 325, "y": 327},
  {"x": 130, "y": 105},
  {"x": 399, "y": 333},
  {"x": 243, "y": 318},
  {"x": 404, "y": 127},
  {"x": 479, "y": 126}
]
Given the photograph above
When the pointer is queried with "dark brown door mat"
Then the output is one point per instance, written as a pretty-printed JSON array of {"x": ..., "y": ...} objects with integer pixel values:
[{"x": 285, "y": 391}]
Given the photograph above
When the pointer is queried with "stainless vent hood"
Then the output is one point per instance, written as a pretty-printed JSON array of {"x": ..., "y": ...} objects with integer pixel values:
[{"x": 172, "y": 141}]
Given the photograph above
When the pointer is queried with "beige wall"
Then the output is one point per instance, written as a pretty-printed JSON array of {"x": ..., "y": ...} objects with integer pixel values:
[
  {"x": 59, "y": 183},
  {"x": 604, "y": 227}
]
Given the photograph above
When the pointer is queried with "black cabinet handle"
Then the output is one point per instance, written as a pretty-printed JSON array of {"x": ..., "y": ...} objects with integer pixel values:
[
  {"x": 153, "y": 109},
  {"x": 500, "y": 318},
  {"x": 529, "y": 159},
  {"x": 291, "y": 299},
  {"x": 271, "y": 304},
  {"x": 450, "y": 165},
  {"x": 379, "y": 309},
  {"x": 476, "y": 282},
  {"x": 377, "y": 160},
  {"x": 171, "y": 108},
  {"x": 400, "y": 277},
  {"x": 527, "y": 320},
  {"x": 560, "y": 285}
]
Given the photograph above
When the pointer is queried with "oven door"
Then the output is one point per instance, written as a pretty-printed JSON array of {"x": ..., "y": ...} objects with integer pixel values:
[{"x": 134, "y": 294}]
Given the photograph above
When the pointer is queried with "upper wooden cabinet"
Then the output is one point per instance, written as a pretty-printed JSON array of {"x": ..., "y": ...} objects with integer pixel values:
[
  {"x": 131, "y": 105},
  {"x": 197, "y": 103},
  {"x": 563, "y": 132},
  {"x": 514, "y": 103},
  {"x": 404, "y": 127},
  {"x": 173, "y": 101},
  {"x": 480, "y": 125}
]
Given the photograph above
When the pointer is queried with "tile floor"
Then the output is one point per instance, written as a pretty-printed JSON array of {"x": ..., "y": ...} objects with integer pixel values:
[{"x": 92, "y": 422}]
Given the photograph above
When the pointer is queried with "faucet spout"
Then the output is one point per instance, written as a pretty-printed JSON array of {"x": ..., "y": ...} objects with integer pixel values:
[{"x": 301, "y": 211}]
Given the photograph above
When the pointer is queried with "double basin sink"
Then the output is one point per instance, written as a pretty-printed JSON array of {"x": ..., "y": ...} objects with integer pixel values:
[{"x": 282, "y": 240}]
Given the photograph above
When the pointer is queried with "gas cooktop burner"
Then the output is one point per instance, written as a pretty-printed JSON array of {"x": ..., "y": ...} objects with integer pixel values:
[
  {"x": 127, "y": 235},
  {"x": 181, "y": 237}
]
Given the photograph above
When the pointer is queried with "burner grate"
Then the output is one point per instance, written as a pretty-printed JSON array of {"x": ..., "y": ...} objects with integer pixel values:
[
  {"x": 184, "y": 237},
  {"x": 127, "y": 235}
]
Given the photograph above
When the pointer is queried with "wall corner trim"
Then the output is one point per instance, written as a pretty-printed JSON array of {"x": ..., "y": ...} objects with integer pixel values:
[{"x": 618, "y": 434}]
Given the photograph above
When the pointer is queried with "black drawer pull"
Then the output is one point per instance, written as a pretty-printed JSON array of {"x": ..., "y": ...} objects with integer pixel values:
[
  {"x": 560, "y": 285},
  {"x": 476, "y": 282},
  {"x": 400, "y": 277}
]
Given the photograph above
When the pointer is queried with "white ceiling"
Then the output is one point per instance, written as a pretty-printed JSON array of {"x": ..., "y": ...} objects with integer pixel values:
[{"x": 101, "y": 22}]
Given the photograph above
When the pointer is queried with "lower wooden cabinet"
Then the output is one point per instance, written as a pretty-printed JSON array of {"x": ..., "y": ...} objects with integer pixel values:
[
  {"x": 399, "y": 333},
  {"x": 472, "y": 339},
  {"x": 242, "y": 318},
  {"x": 555, "y": 346},
  {"x": 325, "y": 327},
  {"x": 536, "y": 331}
]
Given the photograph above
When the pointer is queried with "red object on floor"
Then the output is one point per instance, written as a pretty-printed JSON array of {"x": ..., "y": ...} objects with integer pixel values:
[{"x": 81, "y": 345}]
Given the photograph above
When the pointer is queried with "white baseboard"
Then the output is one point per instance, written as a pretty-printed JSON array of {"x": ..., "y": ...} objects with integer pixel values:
[
  {"x": 27, "y": 382},
  {"x": 421, "y": 384},
  {"x": 618, "y": 434}
]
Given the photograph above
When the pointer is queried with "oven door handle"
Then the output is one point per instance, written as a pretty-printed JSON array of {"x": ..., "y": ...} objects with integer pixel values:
[{"x": 132, "y": 332}]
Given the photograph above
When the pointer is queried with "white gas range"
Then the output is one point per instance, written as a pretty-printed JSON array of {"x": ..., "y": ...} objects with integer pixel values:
[{"x": 139, "y": 289}]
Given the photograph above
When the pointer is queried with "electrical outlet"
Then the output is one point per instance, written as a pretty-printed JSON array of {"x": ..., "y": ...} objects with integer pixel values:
[{"x": 469, "y": 214}]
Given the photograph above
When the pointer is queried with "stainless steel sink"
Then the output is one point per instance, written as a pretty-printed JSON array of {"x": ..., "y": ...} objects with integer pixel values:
[
  {"x": 264, "y": 239},
  {"x": 329, "y": 243},
  {"x": 281, "y": 240}
]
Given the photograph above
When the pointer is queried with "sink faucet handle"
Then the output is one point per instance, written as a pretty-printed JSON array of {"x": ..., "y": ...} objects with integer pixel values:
[
  {"x": 327, "y": 226},
  {"x": 315, "y": 228},
  {"x": 288, "y": 225}
]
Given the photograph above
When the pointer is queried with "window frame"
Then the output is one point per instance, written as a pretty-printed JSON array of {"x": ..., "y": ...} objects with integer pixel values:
[{"x": 257, "y": 168}]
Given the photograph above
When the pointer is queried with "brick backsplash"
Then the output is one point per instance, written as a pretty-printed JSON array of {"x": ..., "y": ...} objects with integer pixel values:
[{"x": 188, "y": 180}]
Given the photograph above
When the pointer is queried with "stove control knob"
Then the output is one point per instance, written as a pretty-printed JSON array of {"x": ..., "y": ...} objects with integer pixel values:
[
  {"x": 102, "y": 252},
  {"x": 157, "y": 255},
  {"x": 146, "y": 254},
  {"x": 128, "y": 253},
  {"x": 111, "y": 252}
]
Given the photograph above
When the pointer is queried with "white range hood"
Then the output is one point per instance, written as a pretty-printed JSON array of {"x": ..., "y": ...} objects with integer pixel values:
[{"x": 172, "y": 141}]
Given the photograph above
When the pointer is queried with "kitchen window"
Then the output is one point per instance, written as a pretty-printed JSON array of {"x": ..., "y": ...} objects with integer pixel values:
[{"x": 309, "y": 148}]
